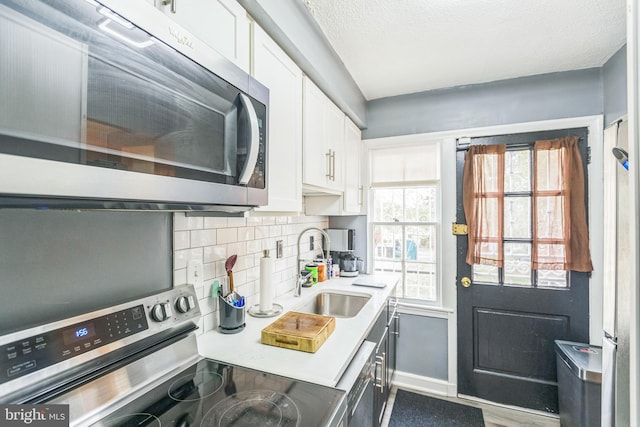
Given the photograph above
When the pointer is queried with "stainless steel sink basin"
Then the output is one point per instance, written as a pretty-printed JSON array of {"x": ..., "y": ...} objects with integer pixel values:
[{"x": 335, "y": 304}]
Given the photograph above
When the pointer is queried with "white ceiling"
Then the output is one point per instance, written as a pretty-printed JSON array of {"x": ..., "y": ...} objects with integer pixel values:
[{"x": 394, "y": 47}]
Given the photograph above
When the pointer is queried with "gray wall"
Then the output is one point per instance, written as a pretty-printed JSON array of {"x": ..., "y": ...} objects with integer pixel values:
[
  {"x": 614, "y": 82},
  {"x": 543, "y": 97},
  {"x": 427, "y": 339}
]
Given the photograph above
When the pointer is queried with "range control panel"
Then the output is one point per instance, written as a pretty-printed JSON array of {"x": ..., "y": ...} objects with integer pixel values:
[{"x": 47, "y": 345}]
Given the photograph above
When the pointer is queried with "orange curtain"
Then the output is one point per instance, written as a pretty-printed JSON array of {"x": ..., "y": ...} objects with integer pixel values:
[
  {"x": 560, "y": 232},
  {"x": 483, "y": 200}
]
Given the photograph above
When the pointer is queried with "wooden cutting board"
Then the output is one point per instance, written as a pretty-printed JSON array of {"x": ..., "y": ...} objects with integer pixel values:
[{"x": 299, "y": 331}]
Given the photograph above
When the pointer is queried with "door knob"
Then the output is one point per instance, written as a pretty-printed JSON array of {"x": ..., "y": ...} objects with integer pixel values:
[{"x": 466, "y": 282}]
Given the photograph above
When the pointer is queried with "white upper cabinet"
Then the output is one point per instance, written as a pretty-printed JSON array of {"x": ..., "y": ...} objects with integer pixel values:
[
  {"x": 351, "y": 200},
  {"x": 353, "y": 190},
  {"x": 323, "y": 142},
  {"x": 274, "y": 69},
  {"x": 222, "y": 24}
]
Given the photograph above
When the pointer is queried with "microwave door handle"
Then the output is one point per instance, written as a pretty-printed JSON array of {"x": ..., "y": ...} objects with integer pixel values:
[{"x": 254, "y": 135}]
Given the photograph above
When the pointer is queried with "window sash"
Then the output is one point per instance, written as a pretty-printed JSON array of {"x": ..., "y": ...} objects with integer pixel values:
[{"x": 420, "y": 278}]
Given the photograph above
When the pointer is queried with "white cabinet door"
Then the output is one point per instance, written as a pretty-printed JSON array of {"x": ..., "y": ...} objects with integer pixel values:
[
  {"x": 274, "y": 69},
  {"x": 353, "y": 196},
  {"x": 316, "y": 160},
  {"x": 323, "y": 142},
  {"x": 335, "y": 146},
  {"x": 222, "y": 24}
]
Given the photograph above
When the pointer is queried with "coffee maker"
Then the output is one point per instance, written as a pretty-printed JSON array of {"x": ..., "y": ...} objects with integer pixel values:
[{"x": 342, "y": 244}]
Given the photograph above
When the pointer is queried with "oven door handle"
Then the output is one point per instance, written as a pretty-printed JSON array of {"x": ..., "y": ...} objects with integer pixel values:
[
  {"x": 254, "y": 146},
  {"x": 363, "y": 389}
]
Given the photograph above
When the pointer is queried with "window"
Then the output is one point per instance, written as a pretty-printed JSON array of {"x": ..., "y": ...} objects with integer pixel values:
[
  {"x": 517, "y": 239},
  {"x": 525, "y": 211},
  {"x": 404, "y": 218},
  {"x": 405, "y": 236}
]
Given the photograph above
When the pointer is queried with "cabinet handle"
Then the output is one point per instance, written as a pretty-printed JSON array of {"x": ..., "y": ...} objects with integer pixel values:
[
  {"x": 384, "y": 371},
  {"x": 328, "y": 157},
  {"x": 361, "y": 195},
  {"x": 379, "y": 381},
  {"x": 397, "y": 332},
  {"x": 174, "y": 4},
  {"x": 333, "y": 163}
]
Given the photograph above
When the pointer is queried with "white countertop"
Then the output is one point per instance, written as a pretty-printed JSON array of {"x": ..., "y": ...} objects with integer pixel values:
[{"x": 326, "y": 365}]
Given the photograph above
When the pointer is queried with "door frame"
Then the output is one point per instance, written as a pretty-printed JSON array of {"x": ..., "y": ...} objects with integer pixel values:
[{"x": 595, "y": 125}]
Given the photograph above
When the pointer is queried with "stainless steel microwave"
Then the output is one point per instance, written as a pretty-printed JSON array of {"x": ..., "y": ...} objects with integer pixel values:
[{"x": 110, "y": 104}]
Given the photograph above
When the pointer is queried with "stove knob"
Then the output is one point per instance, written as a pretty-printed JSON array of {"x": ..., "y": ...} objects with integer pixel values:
[
  {"x": 182, "y": 304},
  {"x": 158, "y": 313}
]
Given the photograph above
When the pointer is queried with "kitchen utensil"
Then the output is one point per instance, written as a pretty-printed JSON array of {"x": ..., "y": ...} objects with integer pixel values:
[
  {"x": 232, "y": 314},
  {"x": 228, "y": 266}
]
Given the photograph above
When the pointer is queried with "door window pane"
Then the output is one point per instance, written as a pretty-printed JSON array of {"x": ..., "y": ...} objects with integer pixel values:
[
  {"x": 552, "y": 278},
  {"x": 517, "y": 217},
  {"x": 517, "y": 264},
  {"x": 549, "y": 219},
  {"x": 485, "y": 274},
  {"x": 517, "y": 171}
]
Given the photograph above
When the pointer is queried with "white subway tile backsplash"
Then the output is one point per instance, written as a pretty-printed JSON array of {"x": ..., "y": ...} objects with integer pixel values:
[
  {"x": 214, "y": 253},
  {"x": 181, "y": 240},
  {"x": 275, "y": 231},
  {"x": 227, "y": 235},
  {"x": 183, "y": 222},
  {"x": 261, "y": 232},
  {"x": 215, "y": 222},
  {"x": 181, "y": 257},
  {"x": 213, "y": 239},
  {"x": 236, "y": 222},
  {"x": 203, "y": 237},
  {"x": 246, "y": 233}
]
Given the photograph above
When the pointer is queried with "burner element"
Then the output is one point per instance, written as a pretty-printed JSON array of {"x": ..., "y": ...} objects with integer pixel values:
[
  {"x": 252, "y": 408},
  {"x": 192, "y": 387}
]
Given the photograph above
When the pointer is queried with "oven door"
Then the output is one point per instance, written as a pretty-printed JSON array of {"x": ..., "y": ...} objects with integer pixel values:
[{"x": 82, "y": 86}]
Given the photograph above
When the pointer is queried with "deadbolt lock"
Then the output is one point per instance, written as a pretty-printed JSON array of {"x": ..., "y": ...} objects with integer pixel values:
[{"x": 466, "y": 282}]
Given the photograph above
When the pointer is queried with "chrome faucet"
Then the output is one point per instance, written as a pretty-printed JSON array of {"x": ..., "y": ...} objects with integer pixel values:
[{"x": 299, "y": 278}]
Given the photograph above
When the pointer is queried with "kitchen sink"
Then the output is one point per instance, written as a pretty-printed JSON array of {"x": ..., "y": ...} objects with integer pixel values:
[{"x": 335, "y": 304}]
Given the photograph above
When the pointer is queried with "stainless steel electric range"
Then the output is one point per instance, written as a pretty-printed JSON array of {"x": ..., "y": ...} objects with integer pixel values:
[{"x": 137, "y": 364}]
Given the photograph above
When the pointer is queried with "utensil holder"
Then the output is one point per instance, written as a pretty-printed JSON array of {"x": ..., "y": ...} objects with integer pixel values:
[{"x": 231, "y": 317}]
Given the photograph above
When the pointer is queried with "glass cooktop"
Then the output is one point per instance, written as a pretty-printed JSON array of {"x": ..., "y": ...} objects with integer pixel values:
[{"x": 209, "y": 393}]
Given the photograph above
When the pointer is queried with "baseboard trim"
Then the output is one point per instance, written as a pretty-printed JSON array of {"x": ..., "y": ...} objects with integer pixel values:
[{"x": 422, "y": 384}]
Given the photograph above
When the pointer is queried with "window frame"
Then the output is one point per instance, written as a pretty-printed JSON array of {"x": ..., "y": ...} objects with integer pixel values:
[{"x": 437, "y": 224}]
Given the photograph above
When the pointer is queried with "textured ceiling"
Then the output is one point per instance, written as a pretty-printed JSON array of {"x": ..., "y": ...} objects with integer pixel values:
[{"x": 393, "y": 47}]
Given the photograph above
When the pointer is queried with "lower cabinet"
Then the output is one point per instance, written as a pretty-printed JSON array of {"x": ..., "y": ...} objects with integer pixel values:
[{"x": 385, "y": 334}]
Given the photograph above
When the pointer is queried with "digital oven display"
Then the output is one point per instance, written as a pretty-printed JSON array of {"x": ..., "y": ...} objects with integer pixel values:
[{"x": 78, "y": 333}]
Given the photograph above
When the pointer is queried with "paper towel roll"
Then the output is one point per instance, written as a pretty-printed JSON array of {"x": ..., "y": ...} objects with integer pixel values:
[{"x": 266, "y": 289}]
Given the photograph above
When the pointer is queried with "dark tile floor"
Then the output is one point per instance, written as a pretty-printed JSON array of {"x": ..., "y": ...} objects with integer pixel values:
[{"x": 494, "y": 415}]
